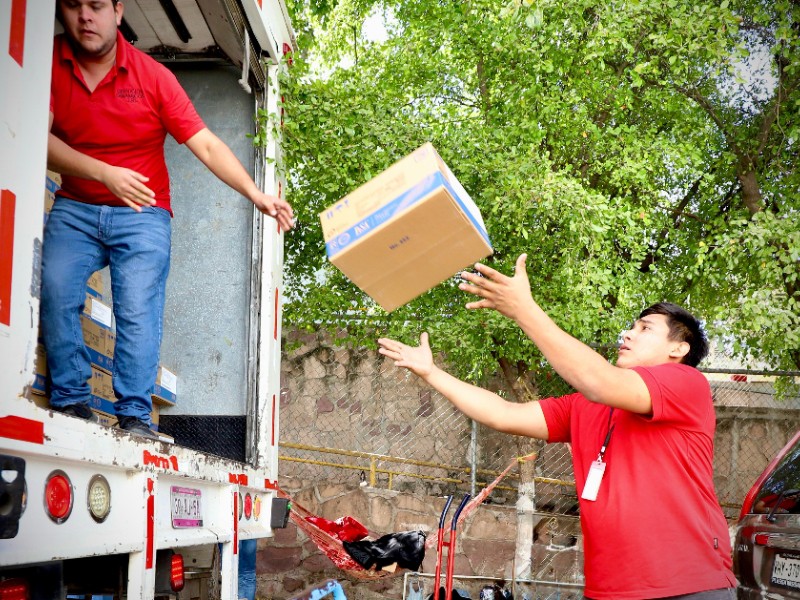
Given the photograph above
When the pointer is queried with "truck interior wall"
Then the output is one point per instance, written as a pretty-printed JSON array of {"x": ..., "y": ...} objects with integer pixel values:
[{"x": 208, "y": 291}]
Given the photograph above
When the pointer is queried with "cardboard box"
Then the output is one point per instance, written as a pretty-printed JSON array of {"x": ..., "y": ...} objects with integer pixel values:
[
  {"x": 101, "y": 401},
  {"x": 106, "y": 420},
  {"x": 51, "y": 186},
  {"x": 110, "y": 420},
  {"x": 102, "y": 390},
  {"x": 39, "y": 385},
  {"x": 406, "y": 230},
  {"x": 166, "y": 387},
  {"x": 99, "y": 343},
  {"x": 97, "y": 310},
  {"x": 95, "y": 286}
]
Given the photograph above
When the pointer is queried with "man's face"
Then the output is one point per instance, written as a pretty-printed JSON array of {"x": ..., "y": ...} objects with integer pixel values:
[
  {"x": 91, "y": 25},
  {"x": 647, "y": 344}
]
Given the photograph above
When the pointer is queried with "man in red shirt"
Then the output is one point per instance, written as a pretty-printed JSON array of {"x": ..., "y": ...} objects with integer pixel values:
[
  {"x": 111, "y": 107},
  {"x": 642, "y": 436}
]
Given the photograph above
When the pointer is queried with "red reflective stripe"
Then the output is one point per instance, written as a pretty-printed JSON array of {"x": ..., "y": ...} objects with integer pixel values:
[
  {"x": 270, "y": 485},
  {"x": 24, "y": 430},
  {"x": 8, "y": 202},
  {"x": 238, "y": 478},
  {"x": 235, "y": 523},
  {"x": 149, "y": 550},
  {"x": 16, "y": 37}
]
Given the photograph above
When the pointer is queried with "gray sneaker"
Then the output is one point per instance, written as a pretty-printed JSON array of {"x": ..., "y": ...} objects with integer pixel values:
[
  {"x": 137, "y": 427},
  {"x": 81, "y": 411}
]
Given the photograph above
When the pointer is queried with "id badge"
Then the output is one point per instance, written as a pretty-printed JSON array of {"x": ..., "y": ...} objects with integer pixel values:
[{"x": 593, "y": 480}]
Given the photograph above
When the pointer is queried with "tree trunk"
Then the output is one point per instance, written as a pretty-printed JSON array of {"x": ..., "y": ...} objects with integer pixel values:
[
  {"x": 751, "y": 191},
  {"x": 526, "y": 510}
]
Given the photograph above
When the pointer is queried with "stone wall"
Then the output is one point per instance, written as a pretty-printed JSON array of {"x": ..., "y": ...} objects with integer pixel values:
[
  {"x": 290, "y": 562},
  {"x": 353, "y": 399}
]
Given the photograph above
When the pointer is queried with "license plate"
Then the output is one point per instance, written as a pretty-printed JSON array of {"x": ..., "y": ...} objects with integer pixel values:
[
  {"x": 187, "y": 510},
  {"x": 786, "y": 571}
]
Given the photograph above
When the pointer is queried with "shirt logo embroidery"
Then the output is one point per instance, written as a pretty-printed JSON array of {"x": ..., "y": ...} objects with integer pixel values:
[{"x": 130, "y": 95}]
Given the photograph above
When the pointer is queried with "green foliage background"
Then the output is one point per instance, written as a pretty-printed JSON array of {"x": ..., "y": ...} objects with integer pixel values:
[{"x": 631, "y": 148}]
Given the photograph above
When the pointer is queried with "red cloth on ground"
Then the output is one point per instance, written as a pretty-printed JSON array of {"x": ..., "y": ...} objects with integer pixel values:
[{"x": 656, "y": 528}]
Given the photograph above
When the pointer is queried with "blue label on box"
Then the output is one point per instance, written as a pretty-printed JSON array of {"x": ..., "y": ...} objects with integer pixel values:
[
  {"x": 100, "y": 360},
  {"x": 399, "y": 204},
  {"x": 164, "y": 393},
  {"x": 39, "y": 383},
  {"x": 101, "y": 404}
]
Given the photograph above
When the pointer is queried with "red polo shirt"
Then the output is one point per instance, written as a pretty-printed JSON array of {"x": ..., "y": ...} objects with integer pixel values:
[
  {"x": 123, "y": 122},
  {"x": 656, "y": 529}
]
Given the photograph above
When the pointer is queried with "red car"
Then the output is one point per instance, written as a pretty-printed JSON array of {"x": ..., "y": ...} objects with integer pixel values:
[{"x": 766, "y": 554}]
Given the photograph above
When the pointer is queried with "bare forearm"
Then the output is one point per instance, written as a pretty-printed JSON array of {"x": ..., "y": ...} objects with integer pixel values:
[
  {"x": 579, "y": 365},
  {"x": 488, "y": 408},
  {"x": 222, "y": 162},
  {"x": 63, "y": 159}
]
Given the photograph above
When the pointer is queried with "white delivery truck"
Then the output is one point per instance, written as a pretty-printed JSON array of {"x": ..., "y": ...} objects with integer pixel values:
[{"x": 87, "y": 510}]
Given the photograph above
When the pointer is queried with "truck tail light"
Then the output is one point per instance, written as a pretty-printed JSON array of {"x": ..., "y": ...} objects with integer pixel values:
[
  {"x": 58, "y": 496},
  {"x": 98, "y": 498},
  {"x": 176, "y": 578},
  {"x": 14, "y": 589},
  {"x": 248, "y": 506}
]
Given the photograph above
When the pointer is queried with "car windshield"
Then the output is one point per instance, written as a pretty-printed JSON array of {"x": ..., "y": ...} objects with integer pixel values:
[{"x": 780, "y": 492}]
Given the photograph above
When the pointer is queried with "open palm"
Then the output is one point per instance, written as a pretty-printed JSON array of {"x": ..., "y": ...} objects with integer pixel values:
[{"x": 417, "y": 359}]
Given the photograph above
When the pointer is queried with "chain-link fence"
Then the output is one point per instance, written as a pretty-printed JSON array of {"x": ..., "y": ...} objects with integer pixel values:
[{"x": 348, "y": 415}]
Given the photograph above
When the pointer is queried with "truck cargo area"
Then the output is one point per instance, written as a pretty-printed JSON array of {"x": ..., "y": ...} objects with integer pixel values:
[{"x": 88, "y": 510}]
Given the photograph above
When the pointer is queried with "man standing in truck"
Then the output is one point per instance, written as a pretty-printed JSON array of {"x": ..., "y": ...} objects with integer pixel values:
[{"x": 111, "y": 107}]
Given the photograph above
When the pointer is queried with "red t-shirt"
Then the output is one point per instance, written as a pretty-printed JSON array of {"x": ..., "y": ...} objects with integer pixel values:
[
  {"x": 124, "y": 122},
  {"x": 656, "y": 528}
]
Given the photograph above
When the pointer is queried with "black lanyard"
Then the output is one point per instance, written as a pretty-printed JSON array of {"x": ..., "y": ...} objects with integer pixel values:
[{"x": 610, "y": 430}]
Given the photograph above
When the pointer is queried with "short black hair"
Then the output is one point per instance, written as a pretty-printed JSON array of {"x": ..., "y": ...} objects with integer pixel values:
[{"x": 684, "y": 327}]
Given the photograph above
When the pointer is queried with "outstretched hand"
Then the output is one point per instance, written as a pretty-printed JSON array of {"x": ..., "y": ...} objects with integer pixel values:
[
  {"x": 510, "y": 296},
  {"x": 417, "y": 359},
  {"x": 277, "y": 208}
]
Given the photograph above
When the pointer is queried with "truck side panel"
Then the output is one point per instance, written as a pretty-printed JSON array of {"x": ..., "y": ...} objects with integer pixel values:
[{"x": 25, "y": 53}]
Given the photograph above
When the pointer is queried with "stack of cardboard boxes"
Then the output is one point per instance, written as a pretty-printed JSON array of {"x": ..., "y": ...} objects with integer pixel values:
[{"x": 98, "y": 334}]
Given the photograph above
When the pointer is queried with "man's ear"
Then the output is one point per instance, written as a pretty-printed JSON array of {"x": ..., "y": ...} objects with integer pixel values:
[
  {"x": 680, "y": 350},
  {"x": 119, "y": 9}
]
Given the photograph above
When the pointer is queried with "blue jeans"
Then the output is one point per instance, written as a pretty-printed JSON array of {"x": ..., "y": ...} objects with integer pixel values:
[
  {"x": 79, "y": 239},
  {"x": 247, "y": 569}
]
